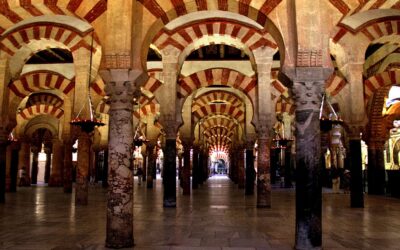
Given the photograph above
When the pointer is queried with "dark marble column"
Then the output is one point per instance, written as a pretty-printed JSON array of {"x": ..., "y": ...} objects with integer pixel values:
[
  {"x": 250, "y": 171},
  {"x": 151, "y": 163},
  {"x": 288, "y": 166},
  {"x": 35, "y": 161},
  {"x": 104, "y": 181},
  {"x": 82, "y": 169},
  {"x": 195, "y": 170},
  {"x": 356, "y": 183},
  {"x": 24, "y": 163},
  {"x": 170, "y": 173},
  {"x": 67, "y": 166},
  {"x": 57, "y": 163},
  {"x": 186, "y": 168},
  {"x": 144, "y": 165},
  {"x": 3, "y": 153},
  {"x": 241, "y": 168},
  {"x": 263, "y": 165},
  {"x": 47, "y": 151},
  {"x": 14, "y": 166},
  {"x": 376, "y": 168},
  {"x": 120, "y": 88},
  {"x": 308, "y": 97}
]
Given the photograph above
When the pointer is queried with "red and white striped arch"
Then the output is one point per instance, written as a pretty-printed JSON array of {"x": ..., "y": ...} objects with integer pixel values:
[
  {"x": 45, "y": 98},
  {"x": 334, "y": 84},
  {"x": 191, "y": 37},
  {"x": 152, "y": 85},
  {"x": 351, "y": 7},
  {"x": 167, "y": 10},
  {"x": 217, "y": 96},
  {"x": 41, "y": 80},
  {"x": 209, "y": 77},
  {"x": 372, "y": 31},
  {"x": 219, "y": 109},
  {"x": 13, "y": 12},
  {"x": 219, "y": 121},
  {"x": 72, "y": 39},
  {"x": 372, "y": 84},
  {"x": 285, "y": 106},
  {"x": 39, "y": 109},
  {"x": 147, "y": 107}
]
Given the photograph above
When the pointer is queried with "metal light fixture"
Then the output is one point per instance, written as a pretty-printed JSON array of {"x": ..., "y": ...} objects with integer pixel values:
[
  {"x": 88, "y": 125},
  {"x": 333, "y": 118}
]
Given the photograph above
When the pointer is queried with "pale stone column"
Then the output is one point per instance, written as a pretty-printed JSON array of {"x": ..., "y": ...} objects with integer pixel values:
[
  {"x": 67, "y": 166},
  {"x": 263, "y": 58},
  {"x": 24, "y": 161},
  {"x": 82, "y": 169},
  {"x": 56, "y": 163},
  {"x": 308, "y": 98},
  {"x": 195, "y": 168},
  {"x": 35, "y": 148},
  {"x": 120, "y": 88}
]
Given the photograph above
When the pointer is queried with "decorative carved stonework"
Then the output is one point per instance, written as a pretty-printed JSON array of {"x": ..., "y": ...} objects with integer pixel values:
[
  {"x": 170, "y": 126},
  {"x": 309, "y": 58},
  {"x": 121, "y": 95},
  {"x": 117, "y": 61}
]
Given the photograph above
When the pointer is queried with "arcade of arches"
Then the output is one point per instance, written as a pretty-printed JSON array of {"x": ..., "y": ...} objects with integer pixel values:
[{"x": 195, "y": 88}]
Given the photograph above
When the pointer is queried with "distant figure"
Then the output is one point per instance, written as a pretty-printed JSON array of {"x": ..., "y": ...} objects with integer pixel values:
[
  {"x": 139, "y": 173},
  {"x": 335, "y": 180},
  {"x": 22, "y": 177},
  {"x": 346, "y": 181}
]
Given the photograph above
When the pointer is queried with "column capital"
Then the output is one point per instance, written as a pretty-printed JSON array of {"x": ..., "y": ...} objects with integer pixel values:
[
  {"x": 355, "y": 130},
  {"x": 170, "y": 54},
  {"x": 308, "y": 94},
  {"x": 263, "y": 129}
]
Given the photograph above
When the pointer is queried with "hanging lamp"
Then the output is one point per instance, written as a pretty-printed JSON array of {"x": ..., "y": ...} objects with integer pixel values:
[
  {"x": 326, "y": 123},
  {"x": 88, "y": 124}
]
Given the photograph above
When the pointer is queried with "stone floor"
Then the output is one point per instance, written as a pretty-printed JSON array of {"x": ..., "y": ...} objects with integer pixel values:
[{"x": 215, "y": 216}]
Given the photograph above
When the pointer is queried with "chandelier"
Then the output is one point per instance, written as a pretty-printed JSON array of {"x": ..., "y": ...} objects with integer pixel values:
[
  {"x": 328, "y": 120},
  {"x": 88, "y": 124}
]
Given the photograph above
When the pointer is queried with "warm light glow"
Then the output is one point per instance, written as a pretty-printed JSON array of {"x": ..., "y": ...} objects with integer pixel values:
[{"x": 394, "y": 96}]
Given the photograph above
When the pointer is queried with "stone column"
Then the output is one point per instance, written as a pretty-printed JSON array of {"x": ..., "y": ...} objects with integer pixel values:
[
  {"x": 67, "y": 166},
  {"x": 47, "y": 168},
  {"x": 104, "y": 181},
  {"x": 195, "y": 170},
  {"x": 35, "y": 161},
  {"x": 8, "y": 167},
  {"x": 169, "y": 177},
  {"x": 151, "y": 162},
  {"x": 263, "y": 164},
  {"x": 308, "y": 97},
  {"x": 241, "y": 167},
  {"x": 186, "y": 167},
  {"x": 13, "y": 168},
  {"x": 120, "y": 87},
  {"x": 250, "y": 171},
  {"x": 82, "y": 169},
  {"x": 144, "y": 165},
  {"x": 24, "y": 162},
  {"x": 376, "y": 167},
  {"x": 3, "y": 160},
  {"x": 356, "y": 182},
  {"x": 56, "y": 163},
  {"x": 288, "y": 165}
]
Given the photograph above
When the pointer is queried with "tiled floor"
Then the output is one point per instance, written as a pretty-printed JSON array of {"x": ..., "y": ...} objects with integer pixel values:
[{"x": 215, "y": 216}]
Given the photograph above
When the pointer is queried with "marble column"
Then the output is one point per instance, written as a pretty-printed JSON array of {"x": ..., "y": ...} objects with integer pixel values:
[
  {"x": 144, "y": 165},
  {"x": 151, "y": 163},
  {"x": 67, "y": 166},
  {"x": 82, "y": 169},
  {"x": 376, "y": 168},
  {"x": 8, "y": 167},
  {"x": 241, "y": 167},
  {"x": 56, "y": 163},
  {"x": 195, "y": 171},
  {"x": 104, "y": 180},
  {"x": 3, "y": 160},
  {"x": 35, "y": 161},
  {"x": 186, "y": 168},
  {"x": 250, "y": 171},
  {"x": 24, "y": 162},
  {"x": 120, "y": 87},
  {"x": 180, "y": 168},
  {"x": 288, "y": 165},
  {"x": 169, "y": 177},
  {"x": 13, "y": 168},
  {"x": 356, "y": 182},
  {"x": 308, "y": 97},
  {"x": 47, "y": 168},
  {"x": 263, "y": 164}
]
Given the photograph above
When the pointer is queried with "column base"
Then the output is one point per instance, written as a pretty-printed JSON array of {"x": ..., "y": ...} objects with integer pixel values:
[
  {"x": 118, "y": 245},
  {"x": 55, "y": 181},
  {"x": 169, "y": 203}
]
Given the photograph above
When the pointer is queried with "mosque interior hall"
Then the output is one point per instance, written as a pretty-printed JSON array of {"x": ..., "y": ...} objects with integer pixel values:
[{"x": 199, "y": 124}]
